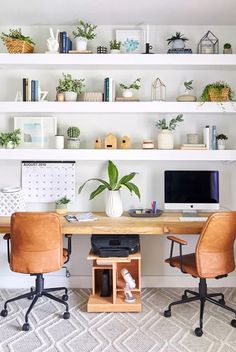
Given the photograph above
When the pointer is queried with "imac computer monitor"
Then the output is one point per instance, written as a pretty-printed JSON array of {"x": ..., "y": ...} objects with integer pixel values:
[{"x": 191, "y": 190}]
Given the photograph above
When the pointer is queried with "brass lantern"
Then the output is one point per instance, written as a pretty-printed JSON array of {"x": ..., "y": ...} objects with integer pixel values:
[
  {"x": 158, "y": 90},
  {"x": 209, "y": 44}
]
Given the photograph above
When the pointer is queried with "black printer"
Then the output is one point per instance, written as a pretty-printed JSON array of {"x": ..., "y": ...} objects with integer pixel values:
[{"x": 115, "y": 245}]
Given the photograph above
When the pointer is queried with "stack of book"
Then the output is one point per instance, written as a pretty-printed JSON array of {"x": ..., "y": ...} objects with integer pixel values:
[
  {"x": 65, "y": 43},
  {"x": 109, "y": 89},
  {"x": 31, "y": 90},
  {"x": 197, "y": 146}
]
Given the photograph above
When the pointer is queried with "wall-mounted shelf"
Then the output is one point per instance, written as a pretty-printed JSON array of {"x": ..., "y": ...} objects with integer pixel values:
[
  {"x": 123, "y": 61},
  {"x": 118, "y": 107},
  {"x": 117, "y": 154}
]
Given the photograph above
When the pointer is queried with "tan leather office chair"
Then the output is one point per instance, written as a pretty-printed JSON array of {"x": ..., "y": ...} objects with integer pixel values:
[
  {"x": 213, "y": 258},
  {"x": 36, "y": 248}
]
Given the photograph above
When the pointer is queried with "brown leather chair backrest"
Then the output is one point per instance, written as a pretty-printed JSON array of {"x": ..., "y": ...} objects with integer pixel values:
[
  {"x": 215, "y": 247},
  {"x": 36, "y": 243}
]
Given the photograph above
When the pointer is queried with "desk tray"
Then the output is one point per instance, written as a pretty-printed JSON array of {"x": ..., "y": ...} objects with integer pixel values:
[{"x": 148, "y": 213}]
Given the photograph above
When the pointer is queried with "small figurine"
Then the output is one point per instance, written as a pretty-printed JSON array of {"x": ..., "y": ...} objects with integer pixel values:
[
  {"x": 125, "y": 143},
  {"x": 98, "y": 143},
  {"x": 53, "y": 43},
  {"x": 111, "y": 141}
]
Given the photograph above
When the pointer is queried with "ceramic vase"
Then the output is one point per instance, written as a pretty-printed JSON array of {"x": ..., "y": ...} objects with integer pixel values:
[
  {"x": 127, "y": 93},
  {"x": 115, "y": 51},
  {"x": 70, "y": 96},
  {"x": 73, "y": 143},
  {"x": 81, "y": 44},
  {"x": 114, "y": 208},
  {"x": 221, "y": 144},
  {"x": 178, "y": 44},
  {"x": 165, "y": 140}
]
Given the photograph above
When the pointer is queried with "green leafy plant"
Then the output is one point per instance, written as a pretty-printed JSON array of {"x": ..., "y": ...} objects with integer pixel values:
[
  {"x": 227, "y": 46},
  {"x": 177, "y": 36},
  {"x": 63, "y": 201},
  {"x": 85, "y": 30},
  {"x": 171, "y": 126},
  {"x": 115, "y": 45},
  {"x": 217, "y": 86},
  {"x": 222, "y": 137},
  {"x": 69, "y": 84},
  {"x": 114, "y": 183},
  {"x": 188, "y": 85},
  {"x": 13, "y": 137},
  {"x": 73, "y": 132},
  {"x": 135, "y": 85},
  {"x": 16, "y": 34}
]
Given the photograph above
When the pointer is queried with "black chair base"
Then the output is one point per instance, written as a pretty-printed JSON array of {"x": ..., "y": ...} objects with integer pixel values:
[
  {"x": 34, "y": 295},
  {"x": 202, "y": 296}
]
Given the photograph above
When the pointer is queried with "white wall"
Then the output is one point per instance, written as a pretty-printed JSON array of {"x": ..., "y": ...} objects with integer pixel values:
[{"x": 138, "y": 127}]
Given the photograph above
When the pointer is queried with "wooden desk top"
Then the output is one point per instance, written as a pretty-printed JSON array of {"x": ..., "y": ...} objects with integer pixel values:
[{"x": 167, "y": 223}]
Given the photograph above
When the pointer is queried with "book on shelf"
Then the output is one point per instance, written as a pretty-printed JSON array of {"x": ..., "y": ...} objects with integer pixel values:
[
  {"x": 31, "y": 90},
  {"x": 65, "y": 43},
  {"x": 80, "y": 217},
  {"x": 197, "y": 146},
  {"x": 126, "y": 99},
  {"x": 109, "y": 89}
]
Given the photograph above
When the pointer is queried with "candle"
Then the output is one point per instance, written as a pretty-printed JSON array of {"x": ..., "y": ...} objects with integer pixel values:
[{"x": 147, "y": 34}]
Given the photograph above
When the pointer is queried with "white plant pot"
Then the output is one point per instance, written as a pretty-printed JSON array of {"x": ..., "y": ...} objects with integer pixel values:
[
  {"x": 70, "y": 96},
  {"x": 10, "y": 145},
  {"x": 165, "y": 140},
  {"x": 178, "y": 44},
  {"x": 81, "y": 44},
  {"x": 73, "y": 143},
  {"x": 115, "y": 51},
  {"x": 114, "y": 208},
  {"x": 221, "y": 144},
  {"x": 127, "y": 93}
]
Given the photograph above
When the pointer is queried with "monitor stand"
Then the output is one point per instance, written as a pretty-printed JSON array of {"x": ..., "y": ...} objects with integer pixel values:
[{"x": 189, "y": 213}]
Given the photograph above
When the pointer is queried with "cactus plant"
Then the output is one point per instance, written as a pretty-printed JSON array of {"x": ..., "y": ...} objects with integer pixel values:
[{"x": 73, "y": 132}]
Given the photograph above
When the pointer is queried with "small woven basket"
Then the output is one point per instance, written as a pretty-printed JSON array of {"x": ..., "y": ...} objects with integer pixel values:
[
  {"x": 215, "y": 96},
  {"x": 17, "y": 46}
]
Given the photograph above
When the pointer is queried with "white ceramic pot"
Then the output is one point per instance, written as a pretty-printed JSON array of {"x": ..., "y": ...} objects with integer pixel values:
[
  {"x": 165, "y": 140},
  {"x": 70, "y": 96},
  {"x": 59, "y": 142},
  {"x": 115, "y": 51},
  {"x": 10, "y": 145},
  {"x": 61, "y": 208},
  {"x": 221, "y": 144},
  {"x": 178, "y": 44},
  {"x": 114, "y": 208},
  {"x": 73, "y": 143},
  {"x": 81, "y": 44},
  {"x": 127, "y": 93}
]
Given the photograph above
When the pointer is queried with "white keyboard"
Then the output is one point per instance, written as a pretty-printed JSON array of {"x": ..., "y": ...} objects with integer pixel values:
[{"x": 193, "y": 218}]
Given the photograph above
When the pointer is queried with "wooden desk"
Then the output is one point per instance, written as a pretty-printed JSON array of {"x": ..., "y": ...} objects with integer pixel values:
[{"x": 163, "y": 225}]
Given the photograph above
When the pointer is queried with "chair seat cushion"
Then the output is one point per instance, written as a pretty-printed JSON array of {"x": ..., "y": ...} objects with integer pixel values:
[
  {"x": 65, "y": 254},
  {"x": 188, "y": 263}
]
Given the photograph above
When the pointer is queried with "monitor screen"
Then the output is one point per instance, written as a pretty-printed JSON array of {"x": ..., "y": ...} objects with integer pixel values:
[{"x": 192, "y": 190}]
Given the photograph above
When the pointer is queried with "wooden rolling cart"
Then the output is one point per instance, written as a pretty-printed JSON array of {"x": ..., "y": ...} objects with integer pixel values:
[{"x": 115, "y": 302}]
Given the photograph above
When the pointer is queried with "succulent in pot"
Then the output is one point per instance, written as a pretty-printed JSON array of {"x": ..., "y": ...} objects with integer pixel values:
[
  {"x": 61, "y": 205},
  {"x": 115, "y": 46},
  {"x": 178, "y": 41},
  {"x": 165, "y": 139},
  {"x": 17, "y": 43},
  {"x": 217, "y": 91},
  {"x": 73, "y": 134},
  {"x": 127, "y": 90},
  {"x": 227, "y": 48},
  {"x": 221, "y": 141},
  {"x": 70, "y": 86},
  {"x": 84, "y": 32}
]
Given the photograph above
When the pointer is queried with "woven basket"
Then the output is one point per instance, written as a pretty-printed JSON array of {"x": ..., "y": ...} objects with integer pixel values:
[
  {"x": 17, "y": 46},
  {"x": 215, "y": 96}
]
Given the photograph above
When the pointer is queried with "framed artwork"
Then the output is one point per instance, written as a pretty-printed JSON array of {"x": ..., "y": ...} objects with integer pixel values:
[
  {"x": 132, "y": 40},
  {"x": 36, "y": 132}
]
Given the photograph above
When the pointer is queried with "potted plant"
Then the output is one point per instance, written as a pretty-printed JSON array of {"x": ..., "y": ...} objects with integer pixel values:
[
  {"x": 10, "y": 139},
  {"x": 188, "y": 87},
  {"x": 73, "y": 140},
  {"x": 84, "y": 32},
  {"x": 217, "y": 91},
  {"x": 165, "y": 138},
  {"x": 61, "y": 205},
  {"x": 227, "y": 48},
  {"x": 221, "y": 140},
  {"x": 115, "y": 47},
  {"x": 178, "y": 41},
  {"x": 17, "y": 43},
  {"x": 71, "y": 87},
  {"x": 114, "y": 206},
  {"x": 127, "y": 89}
]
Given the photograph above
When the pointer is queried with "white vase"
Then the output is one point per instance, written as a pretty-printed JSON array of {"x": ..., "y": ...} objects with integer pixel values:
[
  {"x": 70, "y": 96},
  {"x": 81, "y": 44},
  {"x": 114, "y": 208},
  {"x": 165, "y": 140},
  {"x": 221, "y": 144},
  {"x": 73, "y": 143},
  {"x": 178, "y": 44},
  {"x": 127, "y": 93},
  {"x": 115, "y": 51}
]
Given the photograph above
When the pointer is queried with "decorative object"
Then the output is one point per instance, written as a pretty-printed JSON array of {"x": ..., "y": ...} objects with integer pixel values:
[
  {"x": 10, "y": 140},
  {"x": 158, "y": 90},
  {"x": 101, "y": 49},
  {"x": 227, "y": 49},
  {"x": 53, "y": 43},
  {"x": 213, "y": 138},
  {"x": 192, "y": 138},
  {"x": 125, "y": 142},
  {"x": 148, "y": 47},
  {"x": 60, "y": 97},
  {"x": 217, "y": 91},
  {"x": 148, "y": 144},
  {"x": 70, "y": 87},
  {"x": 91, "y": 96},
  {"x": 17, "y": 43},
  {"x": 178, "y": 41},
  {"x": 36, "y": 132},
  {"x": 187, "y": 97},
  {"x": 132, "y": 41},
  {"x": 11, "y": 200},
  {"x": 19, "y": 96},
  {"x": 59, "y": 142},
  {"x": 144, "y": 213},
  {"x": 43, "y": 94},
  {"x": 165, "y": 138},
  {"x": 115, "y": 46},
  {"x": 110, "y": 141},
  {"x": 84, "y": 32},
  {"x": 179, "y": 51},
  {"x": 209, "y": 44},
  {"x": 221, "y": 140},
  {"x": 73, "y": 141},
  {"x": 61, "y": 205},
  {"x": 98, "y": 143},
  {"x": 127, "y": 89},
  {"x": 114, "y": 204}
]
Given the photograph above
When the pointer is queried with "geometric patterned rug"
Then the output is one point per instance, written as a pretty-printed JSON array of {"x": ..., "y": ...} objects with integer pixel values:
[{"x": 147, "y": 331}]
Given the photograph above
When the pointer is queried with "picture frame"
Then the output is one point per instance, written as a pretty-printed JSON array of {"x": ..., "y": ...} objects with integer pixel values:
[
  {"x": 36, "y": 131},
  {"x": 132, "y": 40}
]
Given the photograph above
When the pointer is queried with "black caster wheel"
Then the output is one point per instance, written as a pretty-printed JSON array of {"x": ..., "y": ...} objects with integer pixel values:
[
  {"x": 25, "y": 327},
  {"x": 65, "y": 298},
  {"x": 198, "y": 332},
  {"x": 167, "y": 313},
  {"x": 222, "y": 301},
  {"x": 66, "y": 315},
  {"x": 184, "y": 297},
  {"x": 4, "y": 313},
  {"x": 30, "y": 297},
  {"x": 233, "y": 323}
]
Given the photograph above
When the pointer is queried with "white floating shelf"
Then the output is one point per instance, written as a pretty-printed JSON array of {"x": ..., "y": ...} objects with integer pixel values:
[
  {"x": 116, "y": 154},
  {"x": 117, "y": 107},
  {"x": 122, "y": 61}
]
